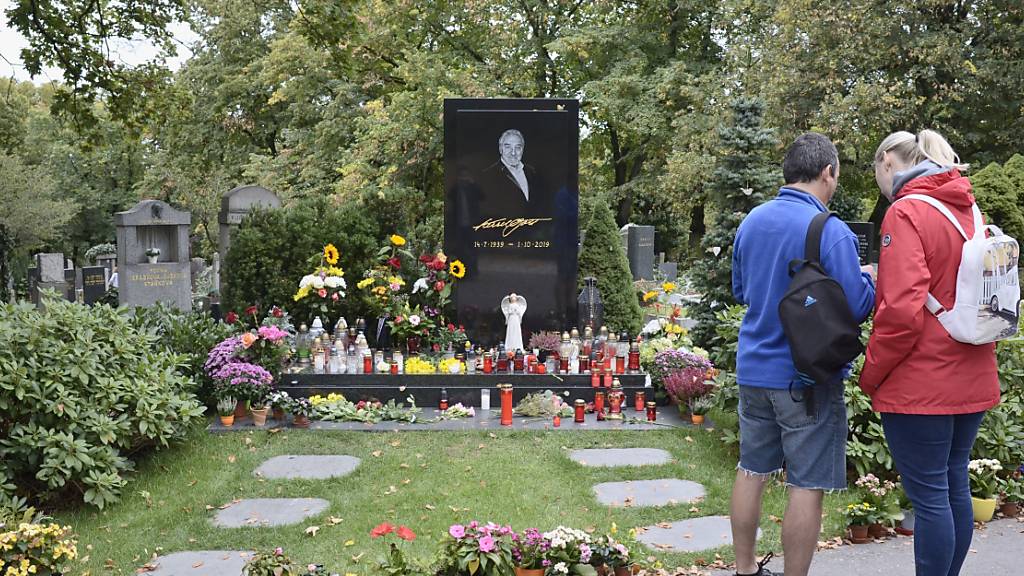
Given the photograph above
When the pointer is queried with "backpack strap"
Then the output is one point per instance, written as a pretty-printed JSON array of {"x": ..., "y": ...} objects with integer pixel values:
[
  {"x": 812, "y": 247},
  {"x": 932, "y": 304}
]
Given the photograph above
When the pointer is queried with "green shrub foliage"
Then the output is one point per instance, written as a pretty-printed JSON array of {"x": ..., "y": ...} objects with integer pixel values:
[
  {"x": 190, "y": 336},
  {"x": 745, "y": 176},
  {"x": 81, "y": 390},
  {"x": 999, "y": 199},
  {"x": 270, "y": 253},
  {"x": 603, "y": 258}
]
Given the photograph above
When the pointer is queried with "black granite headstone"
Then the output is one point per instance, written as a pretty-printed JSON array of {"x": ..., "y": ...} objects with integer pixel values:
[
  {"x": 94, "y": 283},
  {"x": 639, "y": 244},
  {"x": 512, "y": 210},
  {"x": 70, "y": 278},
  {"x": 669, "y": 270},
  {"x": 865, "y": 232},
  {"x": 33, "y": 284}
]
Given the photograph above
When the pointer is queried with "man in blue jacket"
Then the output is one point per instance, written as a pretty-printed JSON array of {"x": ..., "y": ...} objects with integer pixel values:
[{"x": 777, "y": 429}]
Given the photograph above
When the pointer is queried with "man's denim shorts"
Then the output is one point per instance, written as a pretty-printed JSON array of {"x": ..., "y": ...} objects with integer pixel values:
[{"x": 776, "y": 432}]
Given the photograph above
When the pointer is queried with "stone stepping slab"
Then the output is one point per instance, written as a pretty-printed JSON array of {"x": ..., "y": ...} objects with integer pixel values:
[
  {"x": 205, "y": 563},
  {"x": 292, "y": 467},
  {"x": 269, "y": 512},
  {"x": 691, "y": 535},
  {"x": 607, "y": 457},
  {"x": 665, "y": 492}
]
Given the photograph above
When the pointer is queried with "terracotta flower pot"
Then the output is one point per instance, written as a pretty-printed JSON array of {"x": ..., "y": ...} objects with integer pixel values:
[
  {"x": 623, "y": 571},
  {"x": 602, "y": 570},
  {"x": 984, "y": 509},
  {"x": 279, "y": 414},
  {"x": 300, "y": 421},
  {"x": 228, "y": 420},
  {"x": 877, "y": 530},
  {"x": 241, "y": 409},
  {"x": 520, "y": 571},
  {"x": 259, "y": 417},
  {"x": 859, "y": 534},
  {"x": 1009, "y": 509},
  {"x": 697, "y": 419}
]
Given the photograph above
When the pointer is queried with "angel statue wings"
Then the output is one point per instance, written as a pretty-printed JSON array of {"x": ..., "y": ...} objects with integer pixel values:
[{"x": 514, "y": 307}]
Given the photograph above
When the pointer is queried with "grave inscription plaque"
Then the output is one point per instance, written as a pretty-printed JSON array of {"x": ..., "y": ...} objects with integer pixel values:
[{"x": 512, "y": 210}]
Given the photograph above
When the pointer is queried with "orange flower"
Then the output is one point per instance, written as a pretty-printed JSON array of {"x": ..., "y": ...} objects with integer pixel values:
[
  {"x": 381, "y": 530},
  {"x": 406, "y": 534},
  {"x": 248, "y": 339}
]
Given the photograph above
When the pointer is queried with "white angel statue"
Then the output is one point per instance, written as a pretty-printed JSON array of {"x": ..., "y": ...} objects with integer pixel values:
[{"x": 514, "y": 307}]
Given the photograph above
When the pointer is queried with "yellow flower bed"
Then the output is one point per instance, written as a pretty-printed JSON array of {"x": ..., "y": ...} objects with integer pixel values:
[
  {"x": 416, "y": 365},
  {"x": 330, "y": 398},
  {"x": 36, "y": 549}
]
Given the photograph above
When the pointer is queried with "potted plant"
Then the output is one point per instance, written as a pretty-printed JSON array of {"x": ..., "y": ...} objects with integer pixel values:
[
  {"x": 546, "y": 343},
  {"x": 983, "y": 487},
  {"x": 259, "y": 409},
  {"x": 477, "y": 549},
  {"x": 272, "y": 564},
  {"x": 301, "y": 409},
  {"x": 529, "y": 552},
  {"x": 609, "y": 554},
  {"x": 1012, "y": 491},
  {"x": 858, "y": 516},
  {"x": 279, "y": 401},
  {"x": 153, "y": 254},
  {"x": 571, "y": 552},
  {"x": 226, "y": 410},
  {"x": 699, "y": 407},
  {"x": 683, "y": 375},
  {"x": 883, "y": 496}
]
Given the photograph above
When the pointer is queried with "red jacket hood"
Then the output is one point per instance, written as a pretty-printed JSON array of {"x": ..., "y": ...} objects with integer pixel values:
[{"x": 948, "y": 187}]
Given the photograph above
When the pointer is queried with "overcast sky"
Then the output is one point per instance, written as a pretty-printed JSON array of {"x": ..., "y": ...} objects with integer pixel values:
[{"x": 128, "y": 52}]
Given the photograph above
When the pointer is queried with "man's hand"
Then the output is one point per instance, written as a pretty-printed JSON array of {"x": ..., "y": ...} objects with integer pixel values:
[{"x": 870, "y": 269}]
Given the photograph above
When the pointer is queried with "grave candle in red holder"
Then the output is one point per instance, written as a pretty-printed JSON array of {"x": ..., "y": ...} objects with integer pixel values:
[
  {"x": 506, "y": 404},
  {"x": 563, "y": 364},
  {"x": 557, "y": 420},
  {"x": 502, "y": 362},
  {"x": 607, "y": 378},
  {"x": 394, "y": 367},
  {"x": 367, "y": 364},
  {"x": 518, "y": 362},
  {"x": 599, "y": 402},
  {"x": 638, "y": 400},
  {"x": 580, "y": 407},
  {"x": 620, "y": 365},
  {"x": 584, "y": 364},
  {"x": 595, "y": 379},
  {"x": 652, "y": 412},
  {"x": 634, "y": 357},
  {"x": 488, "y": 364}
]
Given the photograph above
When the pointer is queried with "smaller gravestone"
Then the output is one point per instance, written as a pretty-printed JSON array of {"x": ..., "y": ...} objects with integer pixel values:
[
  {"x": 669, "y": 270},
  {"x": 50, "y": 267},
  {"x": 108, "y": 261},
  {"x": 94, "y": 283},
  {"x": 32, "y": 276},
  {"x": 235, "y": 204},
  {"x": 865, "y": 232},
  {"x": 71, "y": 284},
  {"x": 638, "y": 242},
  {"x": 154, "y": 226}
]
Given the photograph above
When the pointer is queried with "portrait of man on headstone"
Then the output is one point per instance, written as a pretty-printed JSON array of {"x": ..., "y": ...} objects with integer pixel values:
[{"x": 512, "y": 187}]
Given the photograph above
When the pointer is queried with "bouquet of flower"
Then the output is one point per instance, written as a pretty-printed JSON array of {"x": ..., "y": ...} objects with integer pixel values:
[
  {"x": 439, "y": 275},
  {"x": 459, "y": 411},
  {"x": 860, "y": 514},
  {"x": 410, "y": 322},
  {"x": 546, "y": 340},
  {"x": 448, "y": 337},
  {"x": 451, "y": 366},
  {"x": 417, "y": 365},
  {"x": 336, "y": 408},
  {"x": 530, "y": 549},
  {"x": 570, "y": 552},
  {"x": 326, "y": 283},
  {"x": 383, "y": 282},
  {"x": 41, "y": 549},
  {"x": 479, "y": 550},
  {"x": 983, "y": 477},
  {"x": 542, "y": 404}
]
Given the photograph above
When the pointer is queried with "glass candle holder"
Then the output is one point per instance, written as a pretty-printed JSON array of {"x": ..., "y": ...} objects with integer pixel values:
[
  {"x": 652, "y": 411},
  {"x": 639, "y": 399},
  {"x": 595, "y": 379},
  {"x": 599, "y": 402},
  {"x": 579, "y": 411}
]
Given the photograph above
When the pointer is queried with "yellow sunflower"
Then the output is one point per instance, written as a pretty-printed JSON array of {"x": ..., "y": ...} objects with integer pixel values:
[
  {"x": 397, "y": 240},
  {"x": 457, "y": 268},
  {"x": 648, "y": 296},
  {"x": 331, "y": 254},
  {"x": 668, "y": 286}
]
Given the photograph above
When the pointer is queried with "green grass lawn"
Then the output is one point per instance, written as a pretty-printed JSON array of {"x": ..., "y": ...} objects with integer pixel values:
[{"x": 425, "y": 480}]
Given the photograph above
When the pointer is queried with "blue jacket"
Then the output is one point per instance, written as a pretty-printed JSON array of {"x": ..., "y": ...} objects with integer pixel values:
[{"x": 768, "y": 238}]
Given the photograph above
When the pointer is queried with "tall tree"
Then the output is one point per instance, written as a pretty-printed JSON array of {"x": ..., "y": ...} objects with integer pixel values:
[
  {"x": 603, "y": 258},
  {"x": 745, "y": 175}
]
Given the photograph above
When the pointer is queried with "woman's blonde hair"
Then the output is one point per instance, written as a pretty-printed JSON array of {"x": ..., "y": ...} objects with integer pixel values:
[{"x": 926, "y": 145}]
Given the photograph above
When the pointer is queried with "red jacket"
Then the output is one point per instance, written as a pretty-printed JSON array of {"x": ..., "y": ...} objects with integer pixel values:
[{"x": 913, "y": 366}]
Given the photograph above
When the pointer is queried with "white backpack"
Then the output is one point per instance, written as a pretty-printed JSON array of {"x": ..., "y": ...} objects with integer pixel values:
[{"x": 987, "y": 303}]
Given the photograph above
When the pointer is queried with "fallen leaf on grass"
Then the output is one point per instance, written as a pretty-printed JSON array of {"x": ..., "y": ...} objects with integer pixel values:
[
  {"x": 664, "y": 525},
  {"x": 358, "y": 557},
  {"x": 492, "y": 435},
  {"x": 193, "y": 483},
  {"x": 688, "y": 439},
  {"x": 334, "y": 520},
  {"x": 429, "y": 507},
  {"x": 350, "y": 543},
  {"x": 376, "y": 453},
  {"x": 403, "y": 465},
  {"x": 312, "y": 530},
  {"x": 663, "y": 546},
  {"x": 775, "y": 519},
  {"x": 406, "y": 481},
  {"x": 231, "y": 459},
  {"x": 391, "y": 490},
  {"x": 695, "y": 510},
  {"x": 396, "y": 443}
]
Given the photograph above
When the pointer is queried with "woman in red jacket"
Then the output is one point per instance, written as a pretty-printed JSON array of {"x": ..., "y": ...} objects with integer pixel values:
[{"x": 931, "y": 390}]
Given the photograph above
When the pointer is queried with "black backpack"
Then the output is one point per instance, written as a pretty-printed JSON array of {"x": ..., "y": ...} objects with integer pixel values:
[{"x": 823, "y": 335}]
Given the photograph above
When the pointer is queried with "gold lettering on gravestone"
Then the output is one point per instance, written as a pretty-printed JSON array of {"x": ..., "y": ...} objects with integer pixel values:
[
  {"x": 94, "y": 281},
  {"x": 509, "y": 225},
  {"x": 157, "y": 278}
]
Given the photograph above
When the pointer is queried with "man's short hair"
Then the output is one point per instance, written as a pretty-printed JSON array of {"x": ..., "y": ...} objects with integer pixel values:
[
  {"x": 808, "y": 156},
  {"x": 511, "y": 132}
]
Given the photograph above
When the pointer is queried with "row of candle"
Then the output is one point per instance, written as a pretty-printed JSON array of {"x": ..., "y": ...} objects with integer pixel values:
[{"x": 615, "y": 400}]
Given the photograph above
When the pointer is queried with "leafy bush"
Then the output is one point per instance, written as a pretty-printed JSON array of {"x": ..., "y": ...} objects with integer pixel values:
[
  {"x": 1001, "y": 436},
  {"x": 81, "y": 389},
  {"x": 190, "y": 336},
  {"x": 270, "y": 251},
  {"x": 998, "y": 199}
]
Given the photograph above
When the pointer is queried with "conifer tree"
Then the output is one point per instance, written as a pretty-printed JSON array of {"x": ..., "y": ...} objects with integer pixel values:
[
  {"x": 745, "y": 175},
  {"x": 604, "y": 258},
  {"x": 998, "y": 199}
]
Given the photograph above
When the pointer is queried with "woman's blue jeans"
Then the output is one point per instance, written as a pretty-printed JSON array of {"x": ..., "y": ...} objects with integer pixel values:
[{"x": 931, "y": 453}]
